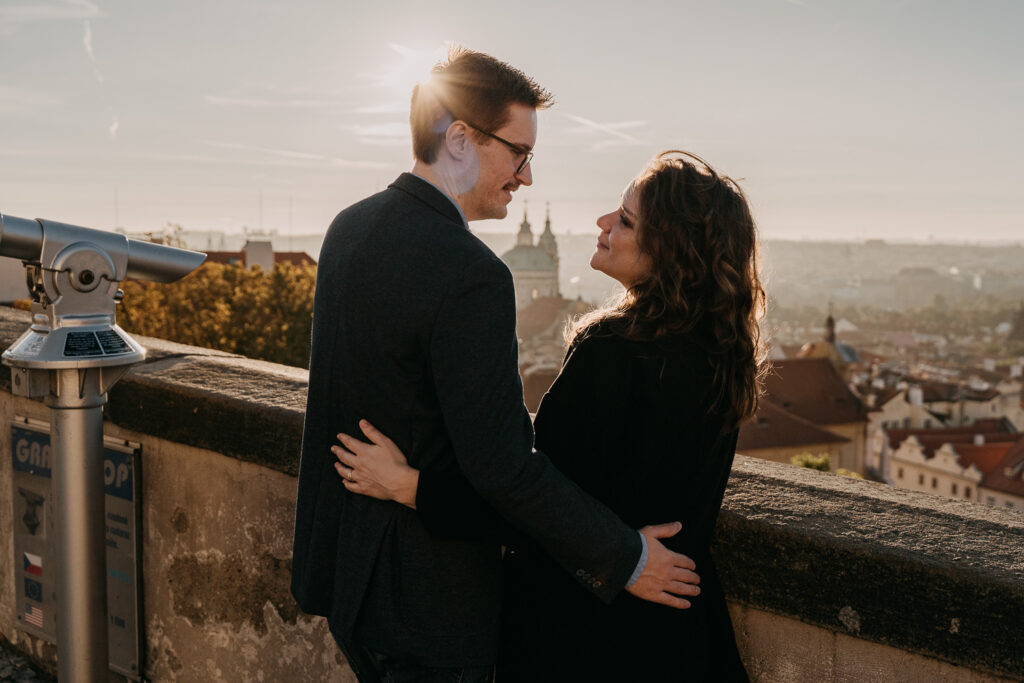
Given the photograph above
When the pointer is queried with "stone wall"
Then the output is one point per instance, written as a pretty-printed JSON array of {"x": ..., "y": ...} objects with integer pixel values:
[{"x": 830, "y": 579}]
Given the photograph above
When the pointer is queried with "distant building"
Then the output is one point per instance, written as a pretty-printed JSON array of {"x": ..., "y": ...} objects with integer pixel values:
[
  {"x": 777, "y": 434},
  {"x": 813, "y": 389},
  {"x": 540, "y": 328},
  {"x": 961, "y": 462},
  {"x": 843, "y": 356},
  {"x": 534, "y": 267},
  {"x": 1003, "y": 485},
  {"x": 260, "y": 253}
]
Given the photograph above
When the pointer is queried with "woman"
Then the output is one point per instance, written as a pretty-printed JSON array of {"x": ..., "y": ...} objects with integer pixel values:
[{"x": 644, "y": 417}]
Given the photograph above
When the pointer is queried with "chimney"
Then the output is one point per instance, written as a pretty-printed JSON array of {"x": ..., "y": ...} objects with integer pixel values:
[
  {"x": 989, "y": 364},
  {"x": 979, "y": 439},
  {"x": 915, "y": 396},
  {"x": 259, "y": 253}
]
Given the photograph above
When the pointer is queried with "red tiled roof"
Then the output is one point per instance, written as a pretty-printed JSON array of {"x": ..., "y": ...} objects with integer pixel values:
[
  {"x": 992, "y": 428},
  {"x": 228, "y": 257},
  {"x": 932, "y": 392},
  {"x": 540, "y": 315},
  {"x": 984, "y": 457},
  {"x": 1008, "y": 474},
  {"x": 980, "y": 394},
  {"x": 932, "y": 441},
  {"x": 989, "y": 424},
  {"x": 812, "y": 389},
  {"x": 296, "y": 258},
  {"x": 775, "y": 427}
]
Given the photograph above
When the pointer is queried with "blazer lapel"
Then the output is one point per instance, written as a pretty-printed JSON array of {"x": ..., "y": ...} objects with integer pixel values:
[{"x": 428, "y": 194}]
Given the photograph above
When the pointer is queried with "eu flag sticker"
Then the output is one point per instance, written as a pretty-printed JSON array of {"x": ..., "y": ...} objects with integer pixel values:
[
  {"x": 33, "y": 564},
  {"x": 33, "y": 590}
]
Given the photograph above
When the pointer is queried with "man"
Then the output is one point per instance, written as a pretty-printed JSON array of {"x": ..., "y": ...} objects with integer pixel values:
[{"x": 414, "y": 327}]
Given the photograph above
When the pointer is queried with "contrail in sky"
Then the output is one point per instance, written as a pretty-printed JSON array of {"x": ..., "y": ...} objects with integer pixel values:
[
  {"x": 87, "y": 43},
  {"x": 604, "y": 128}
]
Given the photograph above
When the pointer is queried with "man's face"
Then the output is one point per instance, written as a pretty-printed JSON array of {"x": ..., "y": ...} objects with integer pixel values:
[{"x": 498, "y": 179}]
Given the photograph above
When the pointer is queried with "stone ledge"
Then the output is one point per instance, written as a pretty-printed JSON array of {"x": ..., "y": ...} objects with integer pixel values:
[
  {"x": 924, "y": 574},
  {"x": 246, "y": 409}
]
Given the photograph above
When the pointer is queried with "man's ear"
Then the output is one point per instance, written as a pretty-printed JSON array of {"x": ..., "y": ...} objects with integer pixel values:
[{"x": 456, "y": 139}]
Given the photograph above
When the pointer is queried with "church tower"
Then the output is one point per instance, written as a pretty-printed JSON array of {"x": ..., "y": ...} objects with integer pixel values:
[
  {"x": 525, "y": 237},
  {"x": 547, "y": 238},
  {"x": 534, "y": 267}
]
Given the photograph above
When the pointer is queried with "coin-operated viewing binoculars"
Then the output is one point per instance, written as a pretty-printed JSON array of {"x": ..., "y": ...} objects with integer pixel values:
[{"x": 71, "y": 356}]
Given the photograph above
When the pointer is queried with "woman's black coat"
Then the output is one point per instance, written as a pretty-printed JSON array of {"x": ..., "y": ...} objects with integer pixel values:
[{"x": 630, "y": 422}]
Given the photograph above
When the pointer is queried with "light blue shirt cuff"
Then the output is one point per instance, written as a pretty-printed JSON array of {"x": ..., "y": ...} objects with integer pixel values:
[{"x": 641, "y": 564}]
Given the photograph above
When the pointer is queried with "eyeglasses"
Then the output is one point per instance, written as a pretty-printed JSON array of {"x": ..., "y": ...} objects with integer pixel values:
[{"x": 518, "y": 149}]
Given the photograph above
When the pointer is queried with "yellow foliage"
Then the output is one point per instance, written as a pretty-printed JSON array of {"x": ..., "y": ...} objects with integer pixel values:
[
  {"x": 259, "y": 314},
  {"x": 818, "y": 462}
]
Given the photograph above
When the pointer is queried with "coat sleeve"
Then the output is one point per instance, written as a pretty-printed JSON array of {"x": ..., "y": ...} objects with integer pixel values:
[
  {"x": 475, "y": 367},
  {"x": 582, "y": 420},
  {"x": 450, "y": 507}
]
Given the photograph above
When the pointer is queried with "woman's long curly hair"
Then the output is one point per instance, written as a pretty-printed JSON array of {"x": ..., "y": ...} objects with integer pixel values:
[{"x": 696, "y": 228}]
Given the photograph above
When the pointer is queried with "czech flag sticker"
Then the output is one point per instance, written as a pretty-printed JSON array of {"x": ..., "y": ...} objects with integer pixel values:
[{"x": 33, "y": 564}]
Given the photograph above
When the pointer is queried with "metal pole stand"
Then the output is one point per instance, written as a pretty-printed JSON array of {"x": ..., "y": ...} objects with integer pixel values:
[
  {"x": 71, "y": 356},
  {"x": 76, "y": 418}
]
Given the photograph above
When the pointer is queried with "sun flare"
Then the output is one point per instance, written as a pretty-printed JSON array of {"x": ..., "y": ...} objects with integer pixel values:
[{"x": 410, "y": 67}]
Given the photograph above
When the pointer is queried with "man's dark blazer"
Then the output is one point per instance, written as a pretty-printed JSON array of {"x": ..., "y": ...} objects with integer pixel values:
[{"x": 414, "y": 329}]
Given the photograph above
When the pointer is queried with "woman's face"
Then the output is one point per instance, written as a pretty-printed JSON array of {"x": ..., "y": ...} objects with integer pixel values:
[{"x": 618, "y": 255}]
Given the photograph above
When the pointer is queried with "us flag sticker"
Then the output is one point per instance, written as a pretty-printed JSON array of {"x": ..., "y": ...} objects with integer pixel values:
[
  {"x": 34, "y": 616},
  {"x": 33, "y": 564}
]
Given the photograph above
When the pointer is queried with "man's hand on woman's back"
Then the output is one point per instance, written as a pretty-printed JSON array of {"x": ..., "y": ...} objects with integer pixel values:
[{"x": 667, "y": 576}]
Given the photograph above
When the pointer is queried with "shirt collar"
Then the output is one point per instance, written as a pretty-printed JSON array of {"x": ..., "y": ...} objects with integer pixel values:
[{"x": 448, "y": 196}]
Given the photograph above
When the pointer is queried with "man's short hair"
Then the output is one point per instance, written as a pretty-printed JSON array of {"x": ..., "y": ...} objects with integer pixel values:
[{"x": 468, "y": 86}]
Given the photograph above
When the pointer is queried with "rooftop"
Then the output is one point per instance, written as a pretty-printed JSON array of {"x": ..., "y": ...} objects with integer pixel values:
[
  {"x": 776, "y": 427},
  {"x": 812, "y": 388}
]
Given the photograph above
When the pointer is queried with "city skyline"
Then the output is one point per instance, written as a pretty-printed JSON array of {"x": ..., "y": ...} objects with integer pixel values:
[{"x": 880, "y": 120}]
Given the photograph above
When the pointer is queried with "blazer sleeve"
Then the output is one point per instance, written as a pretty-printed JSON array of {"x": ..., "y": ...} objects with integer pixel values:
[
  {"x": 475, "y": 367},
  {"x": 450, "y": 507},
  {"x": 582, "y": 421}
]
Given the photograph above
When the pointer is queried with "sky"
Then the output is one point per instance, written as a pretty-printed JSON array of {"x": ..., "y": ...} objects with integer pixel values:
[{"x": 895, "y": 119}]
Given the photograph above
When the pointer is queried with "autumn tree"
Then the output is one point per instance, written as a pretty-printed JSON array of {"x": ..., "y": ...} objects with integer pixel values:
[{"x": 260, "y": 314}]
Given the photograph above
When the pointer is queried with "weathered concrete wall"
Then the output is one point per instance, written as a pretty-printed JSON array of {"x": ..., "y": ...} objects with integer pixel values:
[
  {"x": 830, "y": 579},
  {"x": 216, "y": 564},
  {"x": 778, "y": 649},
  {"x": 923, "y": 574},
  {"x": 217, "y": 530}
]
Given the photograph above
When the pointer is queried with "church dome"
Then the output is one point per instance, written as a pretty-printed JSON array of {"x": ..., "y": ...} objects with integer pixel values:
[{"x": 528, "y": 258}]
